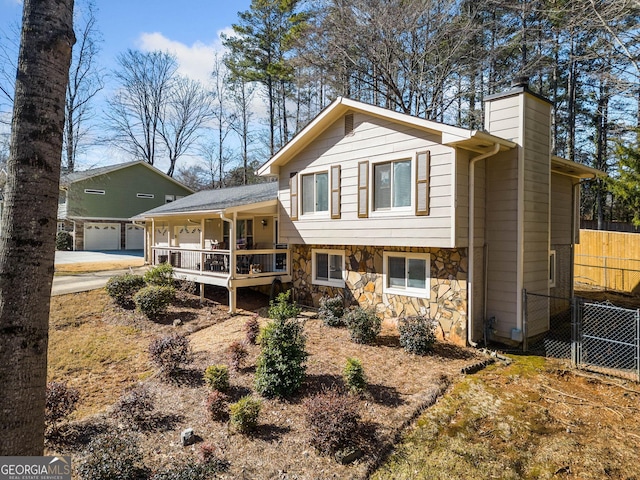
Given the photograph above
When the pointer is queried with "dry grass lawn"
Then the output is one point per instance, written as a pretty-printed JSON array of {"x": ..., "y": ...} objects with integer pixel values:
[{"x": 532, "y": 419}]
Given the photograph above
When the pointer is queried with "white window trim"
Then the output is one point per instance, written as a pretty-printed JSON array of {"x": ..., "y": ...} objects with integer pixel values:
[
  {"x": 145, "y": 195},
  {"x": 315, "y": 214},
  {"x": 393, "y": 211},
  {"x": 553, "y": 266},
  {"x": 332, "y": 282},
  {"x": 407, "y": 292},
  {"x": 93, "y": 191},
  {"x": 169, "y": 198}
]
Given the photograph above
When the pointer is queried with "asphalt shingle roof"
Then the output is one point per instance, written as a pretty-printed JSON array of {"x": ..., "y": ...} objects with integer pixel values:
[{"x": 212, "y": 200}]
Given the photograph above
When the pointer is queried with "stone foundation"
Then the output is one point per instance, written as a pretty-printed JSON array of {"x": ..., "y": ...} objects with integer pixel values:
[{"x": 364, "y": 283}]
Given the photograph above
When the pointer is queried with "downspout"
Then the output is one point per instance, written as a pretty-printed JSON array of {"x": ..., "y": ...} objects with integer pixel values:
[
  {"x": 470, "y": 273},
  {"x": 232, "y": 256}
]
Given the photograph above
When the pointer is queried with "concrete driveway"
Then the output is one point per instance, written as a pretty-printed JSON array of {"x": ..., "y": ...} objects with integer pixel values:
[
  {"x": 82, "y": 282},
  {"x": 96, "y": 257}
]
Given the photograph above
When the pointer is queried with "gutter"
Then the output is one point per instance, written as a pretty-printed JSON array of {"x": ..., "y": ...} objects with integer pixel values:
[
  {"x": 470, "y": 273},
  {"x": 232, "y": 258}
]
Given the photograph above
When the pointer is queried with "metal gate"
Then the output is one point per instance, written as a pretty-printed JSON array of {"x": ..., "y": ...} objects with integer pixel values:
[
  {"x": 596, "y": 336},
  {"x": 607, "y": 339}
]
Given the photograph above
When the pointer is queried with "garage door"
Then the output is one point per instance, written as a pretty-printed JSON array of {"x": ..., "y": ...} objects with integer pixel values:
[
  {"x": 135, "y": 237},
  {"x": 102, "y": 236}
]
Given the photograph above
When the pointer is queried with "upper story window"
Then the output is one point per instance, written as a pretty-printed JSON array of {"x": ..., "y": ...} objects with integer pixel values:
[
  {"x": 327, "y": 267},
  {"x": 392, "y": 185},
  {"x": 145, "y": 195},
  {"x": 169, "y": 198},
  {"x": 407, "y": 274},
  {"x": 315, "y": 193},
  {"x": 92, "y": 191}
]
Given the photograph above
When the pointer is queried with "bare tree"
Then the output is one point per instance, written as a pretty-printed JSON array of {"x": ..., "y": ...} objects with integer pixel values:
[
  {"x": 187, "y": 111},
  {"x": 85, "y": 81},
  {"x": 242, "y": 95},
  {"x": 135, "y": 111},
  {"x": 223, "y": 119},
  {"x": 27, "y": 238},
  {"x": 8, "y": 55}
]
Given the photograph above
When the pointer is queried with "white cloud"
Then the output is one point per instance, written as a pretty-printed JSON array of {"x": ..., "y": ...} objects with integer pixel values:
[{"x": 195, "y": 61}]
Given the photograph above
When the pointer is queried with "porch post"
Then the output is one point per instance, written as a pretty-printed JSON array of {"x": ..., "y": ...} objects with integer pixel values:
[
  {"x": 152, "y": 240},
  {"x": 201, "y": 292},
  {"x": 232, "y": 298}
]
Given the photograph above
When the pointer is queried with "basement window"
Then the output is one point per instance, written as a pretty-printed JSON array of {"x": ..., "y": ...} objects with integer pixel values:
[{"x": 552, "y": 268}]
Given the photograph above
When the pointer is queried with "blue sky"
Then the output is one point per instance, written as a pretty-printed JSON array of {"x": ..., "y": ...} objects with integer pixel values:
[{"x": 190, "y": 29}]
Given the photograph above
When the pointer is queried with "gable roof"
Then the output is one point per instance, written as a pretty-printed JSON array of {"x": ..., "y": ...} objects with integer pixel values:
[
  {"x": 67, "y": 179},
  {"x": 217, "y": 200},
  {"x": 474, "y": 140}
]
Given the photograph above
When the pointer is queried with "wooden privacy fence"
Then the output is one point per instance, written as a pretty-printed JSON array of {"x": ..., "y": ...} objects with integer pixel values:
[{"x": 610, "y": 260}]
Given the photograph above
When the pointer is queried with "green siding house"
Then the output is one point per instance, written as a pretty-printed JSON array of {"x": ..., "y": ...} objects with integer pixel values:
[{"x": 96, "y": 205}]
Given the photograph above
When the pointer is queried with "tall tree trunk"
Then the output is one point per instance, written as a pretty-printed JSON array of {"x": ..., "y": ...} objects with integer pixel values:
[{"x": 27, "y": 241}]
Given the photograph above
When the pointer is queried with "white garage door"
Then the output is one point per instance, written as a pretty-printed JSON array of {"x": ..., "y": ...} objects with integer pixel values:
[
  {"x": 135, "y": 237},
  {"x": 102, "y": 236}
]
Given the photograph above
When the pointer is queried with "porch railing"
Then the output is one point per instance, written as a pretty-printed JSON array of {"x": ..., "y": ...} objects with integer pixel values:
[{"x": 248, "y": 263}]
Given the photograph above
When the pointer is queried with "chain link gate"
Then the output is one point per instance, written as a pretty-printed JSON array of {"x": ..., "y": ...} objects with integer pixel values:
[
  {"x": 607, "y": 339},
  {"x": 596, "y": 336}
]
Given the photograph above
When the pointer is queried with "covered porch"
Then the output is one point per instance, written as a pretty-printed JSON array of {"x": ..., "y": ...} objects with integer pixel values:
[{"x": 227, "y": 238}]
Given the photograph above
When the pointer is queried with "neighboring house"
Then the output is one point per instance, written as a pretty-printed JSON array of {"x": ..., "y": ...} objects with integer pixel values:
[
  {"x": 96, "y": 205},
  {"x": 377, "y": 207}
]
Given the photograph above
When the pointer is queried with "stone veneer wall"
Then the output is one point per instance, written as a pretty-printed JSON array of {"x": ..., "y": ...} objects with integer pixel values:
[{"x": 363, "y": 286}]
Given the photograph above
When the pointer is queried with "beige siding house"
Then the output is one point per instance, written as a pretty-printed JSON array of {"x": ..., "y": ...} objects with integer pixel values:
[{"x": 399, "y": 214}]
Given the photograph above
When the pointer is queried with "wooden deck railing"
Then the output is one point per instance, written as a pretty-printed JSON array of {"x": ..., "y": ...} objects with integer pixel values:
[{"x": 248, "y": 263}]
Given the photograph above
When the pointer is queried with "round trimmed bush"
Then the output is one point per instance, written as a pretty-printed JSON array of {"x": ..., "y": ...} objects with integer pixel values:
[
  {"x": 61, "y": 401},
  {"x": 134, "y": 405},
  {"x": 331, "y": 311},
  {"x": 111, "y": 457},
  {"x": 154, "y": 300},
  {"x": 363, "y": 325},
  {"x": 161, "y": 275},
  {"x": 353, "y": 376},
  {"x": 333, "y": 421},
  {"x": 170, "y": 352},
  {"x": 417, "y": 334},
  {"x": 217, "y": 405},
  {"x": 217, "y": 377},
  {"x": 122, "y": 288},
  {"x": 244, "y": 414}
]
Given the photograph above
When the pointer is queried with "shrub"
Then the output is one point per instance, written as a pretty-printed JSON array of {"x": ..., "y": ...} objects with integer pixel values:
[
  {"x": 237, "y": 353},
  {"x": 161, "y": 275},
  {"x": 282, "y": 309},
  {"x": 111, "y": 457},
  {"x": 333, "y": 421},
  {"x": 363, "y": 325},
  {"x": 170, "y": 352},
  {"x": 353, "y": 375},
  {"x": 61, "y": 401},
  {"x": 208, "y": 455},
  {"x": 64, "y": 241},
  {"x": 122, "y": 288},
  {"x": 331, "y": 311},
  {"x": 153, "y": 300},
  {"x": 244, "y": 414},
  {"x": 252, "y": 330},
  {"x": 134, "y": 405},
  {"x": 280, "y": 367},
  {"x": 417, "y": 334},
  {"x": 217, "y": 405},
  {"x": 203, "y": 471},
  {"x": 217, "y": 377}
]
